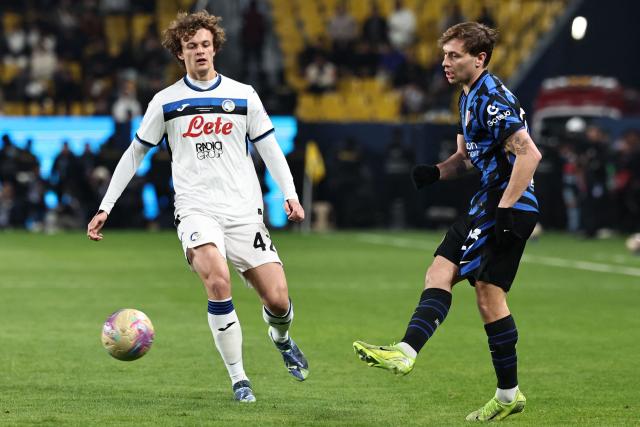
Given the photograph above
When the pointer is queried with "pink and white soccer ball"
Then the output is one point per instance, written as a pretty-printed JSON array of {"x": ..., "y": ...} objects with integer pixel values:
[{"x": 127, "y": 334}]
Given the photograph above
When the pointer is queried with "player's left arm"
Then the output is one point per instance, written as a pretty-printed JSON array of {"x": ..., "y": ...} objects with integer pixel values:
[
  {"x": 277, "y": 164},
  {"x": 261, "y": 134},
  {"x": 527, "y": 158}
]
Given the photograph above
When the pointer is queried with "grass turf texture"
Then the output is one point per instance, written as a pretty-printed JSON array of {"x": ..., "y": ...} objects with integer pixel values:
[{"x": 578, "y": 349}]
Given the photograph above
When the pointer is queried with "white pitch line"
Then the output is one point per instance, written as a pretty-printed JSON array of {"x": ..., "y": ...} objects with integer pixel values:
[{"x": 598, "y": 267}]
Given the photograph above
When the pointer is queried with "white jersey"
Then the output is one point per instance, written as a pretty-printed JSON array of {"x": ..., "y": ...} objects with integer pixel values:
[{"x": 209, "y": 131}]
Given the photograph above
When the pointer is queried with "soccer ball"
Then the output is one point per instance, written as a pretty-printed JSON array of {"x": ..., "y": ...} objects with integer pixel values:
[
  {"x": 633, "y": 243},
  {"x": 127, "y": 334}
]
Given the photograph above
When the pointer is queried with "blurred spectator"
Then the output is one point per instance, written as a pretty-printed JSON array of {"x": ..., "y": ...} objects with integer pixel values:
[
  {"x": 399, "y": 192},
  {"x": 160, "y": 177},
  {"x": 486, "y": 18},
  {"x": 343, "y": 31},
  {"x": 595, "y": 164},
  {"x": 626, "y": 183},
  {"x": 65, "y": 172},
  {"x": 66, "y": 89},
  {"x": 374, "y": 29},
  {"x": 11, "y": 212},
  {"x": 351, "y": 187},
  {"x": 253, "y": 36},
  {"x": 321, "y": 75},
  {"x": 366, "y": 60},
  {"x": 402, "y": 26},
  {"x": 391, "y": 61},
  {"x": 8, "y": 160},
  {"x": 572, "y": 185},
  {"x": 454, "y": 16},
  {"x": 126, "y": 105},
  {"x": 311, "y": 49}
]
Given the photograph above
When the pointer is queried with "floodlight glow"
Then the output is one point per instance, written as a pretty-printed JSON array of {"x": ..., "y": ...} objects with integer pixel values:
[{"x": 578, "y": 27}]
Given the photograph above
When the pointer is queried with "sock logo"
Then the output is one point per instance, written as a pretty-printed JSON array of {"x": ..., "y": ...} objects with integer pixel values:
[{"x": 226, "y": 327}]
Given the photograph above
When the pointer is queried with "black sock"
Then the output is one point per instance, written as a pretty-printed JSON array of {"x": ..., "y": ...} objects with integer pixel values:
[
  {"x": 503, "y": 336},
  {"x": 430, "y": 313}
]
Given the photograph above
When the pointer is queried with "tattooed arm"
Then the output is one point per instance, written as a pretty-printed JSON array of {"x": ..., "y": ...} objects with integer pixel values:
[
  {"x": 527, "y": 159},
  {"x": 458, "y": 164}
]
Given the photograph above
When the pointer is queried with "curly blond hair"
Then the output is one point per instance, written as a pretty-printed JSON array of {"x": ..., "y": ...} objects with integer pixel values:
[{"x": 186, "y": 25}]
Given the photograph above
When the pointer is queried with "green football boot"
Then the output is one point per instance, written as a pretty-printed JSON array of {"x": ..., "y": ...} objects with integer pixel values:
[
  {"x": 494, "y": 410},
  {"x": 391, "y": 358}
]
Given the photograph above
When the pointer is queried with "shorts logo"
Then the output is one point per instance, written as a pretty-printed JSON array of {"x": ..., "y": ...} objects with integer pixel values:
[
  {"x": 208, "y": 150},
  {"x": 194, "y": 236},
  {"x": 228, "y": 105}
]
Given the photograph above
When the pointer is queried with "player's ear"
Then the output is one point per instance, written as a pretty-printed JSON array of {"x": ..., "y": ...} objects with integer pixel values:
[{"x": 480, "y": 59}]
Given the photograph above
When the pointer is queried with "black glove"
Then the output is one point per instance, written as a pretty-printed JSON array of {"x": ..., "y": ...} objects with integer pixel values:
[
  {"x": 423, "y": 175},
  {"x": 505, "y": 232}
]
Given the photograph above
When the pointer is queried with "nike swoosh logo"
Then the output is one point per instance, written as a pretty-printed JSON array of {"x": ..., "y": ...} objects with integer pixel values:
[
  {"x": 464, "y": 262},
  {"x": 182, "y": 107},
  {"x": 226, "y": 327}
]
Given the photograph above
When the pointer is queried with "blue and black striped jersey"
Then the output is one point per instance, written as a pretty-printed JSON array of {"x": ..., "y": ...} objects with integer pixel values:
[{"x": 489, "y": 114}]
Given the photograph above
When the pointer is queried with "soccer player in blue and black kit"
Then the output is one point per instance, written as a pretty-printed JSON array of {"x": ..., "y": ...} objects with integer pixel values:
[{"x": 485, "y": 246}]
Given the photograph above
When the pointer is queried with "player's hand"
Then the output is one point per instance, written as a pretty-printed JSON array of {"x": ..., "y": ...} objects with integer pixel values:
[
  {"x": 294, "y": 210},
  {"x": 96, "y": 224},
  {"x": 504, "y": 228},
  {"x": 423, "y": 175}
]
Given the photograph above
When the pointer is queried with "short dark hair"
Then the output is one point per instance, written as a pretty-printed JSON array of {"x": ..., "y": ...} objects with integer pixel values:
[
  {"x": 186, "y": 25},
  {"x": 476, "y": 38}
]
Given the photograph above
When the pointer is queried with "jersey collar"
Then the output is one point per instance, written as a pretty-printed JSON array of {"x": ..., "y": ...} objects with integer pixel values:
[
  {"x": 478, "y": 80},
  {"x": 215, "y": 84}
]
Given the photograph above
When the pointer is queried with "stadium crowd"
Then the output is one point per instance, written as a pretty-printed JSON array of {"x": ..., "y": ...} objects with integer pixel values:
[
  {"x": 600, "y": 181},
  {"x": 383, "y": 48},
  {"x": 56, "y": 54}
]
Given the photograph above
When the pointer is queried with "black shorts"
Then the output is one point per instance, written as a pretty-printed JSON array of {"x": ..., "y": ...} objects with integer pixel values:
[{"x": 470, "y": 244}]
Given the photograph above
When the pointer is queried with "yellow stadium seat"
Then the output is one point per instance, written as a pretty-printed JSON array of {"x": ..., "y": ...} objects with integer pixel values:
[
  {"x": 308, "y": 107},
  {"x": 14, "y": 109},
  {"x": 139, "y": 25},
  {"x": 332, "y": 107},
  {"x": 11, "y": 21},
  {"x": 117, "y": 31}
]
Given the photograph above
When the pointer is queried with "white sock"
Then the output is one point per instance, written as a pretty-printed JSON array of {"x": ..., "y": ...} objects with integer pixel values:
[
  {"x": 407, "y": 349},
  {"x": 278, "y": 325},
  {"x": 227, "y": 335},
  {"x": 506, "y": 395}
]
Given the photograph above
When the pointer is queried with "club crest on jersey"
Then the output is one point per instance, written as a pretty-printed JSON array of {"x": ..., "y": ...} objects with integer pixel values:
[{"x": 228, "y": 105}]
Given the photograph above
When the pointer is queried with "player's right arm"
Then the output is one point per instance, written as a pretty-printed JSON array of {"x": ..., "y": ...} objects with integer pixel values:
[
  {"x": 126, "y": 168},
  {"x": 149, "y": 135},
  {"x": 458, "y": 164}
]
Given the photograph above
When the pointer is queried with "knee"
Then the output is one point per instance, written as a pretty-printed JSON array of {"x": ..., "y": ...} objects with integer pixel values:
[
  {"x": 437, "y": 278},
  {"x": 217, "y": 283},
  {"x": 277, "y": 301}
]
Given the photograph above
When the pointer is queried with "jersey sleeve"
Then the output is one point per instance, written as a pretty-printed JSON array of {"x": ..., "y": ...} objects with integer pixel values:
[
  {"x": 500, "y": 116},
  {"x": 152, "y": 127},
  {"x": 258, "y": 122}
]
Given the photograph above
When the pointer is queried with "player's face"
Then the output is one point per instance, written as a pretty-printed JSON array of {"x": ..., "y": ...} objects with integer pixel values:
[
  {"x": 459, "y": 65},
  {"x": 197, "y": 54}
]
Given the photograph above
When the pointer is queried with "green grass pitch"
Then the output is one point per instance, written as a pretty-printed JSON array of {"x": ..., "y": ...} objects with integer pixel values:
[{"x": 576, "y": 303}]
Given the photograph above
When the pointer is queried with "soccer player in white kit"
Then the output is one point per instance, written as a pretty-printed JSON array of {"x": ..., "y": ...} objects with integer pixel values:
[{"x": 209, "y": 120}]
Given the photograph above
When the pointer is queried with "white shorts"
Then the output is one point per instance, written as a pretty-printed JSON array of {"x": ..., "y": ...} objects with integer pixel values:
[{"x": 245, "y": 245}]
